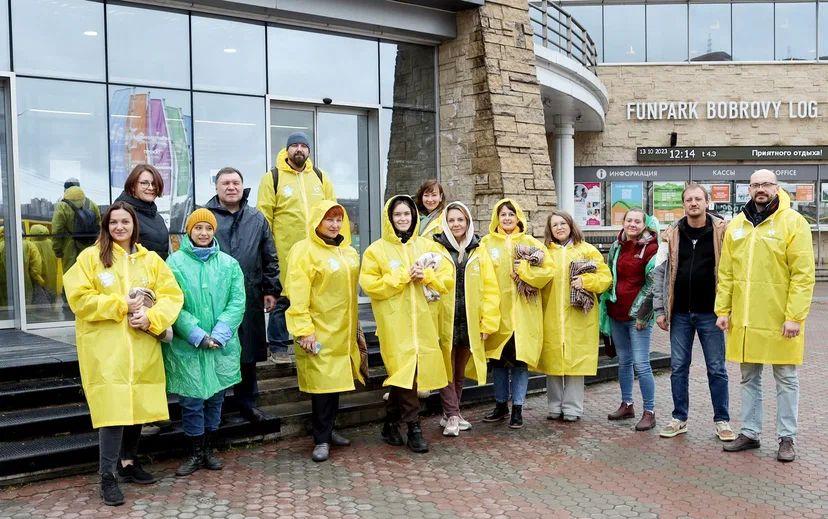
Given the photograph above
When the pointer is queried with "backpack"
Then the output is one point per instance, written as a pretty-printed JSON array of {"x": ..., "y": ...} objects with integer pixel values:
[
  {"x": 86, "y": 225},
  {"x": 275, "y": 173}
]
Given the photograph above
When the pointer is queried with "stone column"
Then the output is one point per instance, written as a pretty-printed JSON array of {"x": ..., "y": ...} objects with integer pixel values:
[{"x": 565, "y": 163}]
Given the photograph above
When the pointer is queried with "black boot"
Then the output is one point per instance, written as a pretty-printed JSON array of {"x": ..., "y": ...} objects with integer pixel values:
[
  {"x": 209, "y": 460},
  {"x": 516, "y": 422},
  {"x": 416, "y": 442},
  {"x": 196, "y": 458},
  {"x": 498, "y": 413},
  {"x": 110, "y": 491},
  {"x": 391, "y": 434}
]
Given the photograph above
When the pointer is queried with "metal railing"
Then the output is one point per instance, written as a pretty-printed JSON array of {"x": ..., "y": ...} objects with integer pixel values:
[{"x": 556, "y": 29}]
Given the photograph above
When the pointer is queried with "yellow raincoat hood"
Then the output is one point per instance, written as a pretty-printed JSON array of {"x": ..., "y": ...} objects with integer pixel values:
[
  {"x": 766, "y": 277},
  {"x": 388, "y": 232},
  {"x": 407, "y": 324},
  {"x": 322, "y": 288},
  {"x": 495, "y": 222},
  {"x": 74, "y": 194}
]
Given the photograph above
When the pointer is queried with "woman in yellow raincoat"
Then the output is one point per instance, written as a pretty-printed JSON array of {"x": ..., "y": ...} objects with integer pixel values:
[
  {"x": 323, "y": 316},
  {"x": 395, "y": 279},
  {"x": 468, "y": 315},
  {"x": 431, "y": 203},
  {"x": 516, "y": 346},
  {"x": 117, "y": 339},
  {"x": 570, "y": 333}
]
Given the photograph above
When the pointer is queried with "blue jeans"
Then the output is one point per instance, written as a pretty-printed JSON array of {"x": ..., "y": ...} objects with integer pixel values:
[
  {"x": 199, "y": 415},
  {"x": 787, "y": 399},
  {"x": 633, "y": 349},
  {"x": 519, "y": 384},
  {"x": 683, "y": 327},
  {"x": 278, "y": 338}
]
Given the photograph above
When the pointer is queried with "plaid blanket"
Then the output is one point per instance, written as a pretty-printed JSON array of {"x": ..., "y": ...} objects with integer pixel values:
[
  {"x": 579, "y": 297},
  {"x": 429, "y": 260},
  {"x": 534, "y": 256}
]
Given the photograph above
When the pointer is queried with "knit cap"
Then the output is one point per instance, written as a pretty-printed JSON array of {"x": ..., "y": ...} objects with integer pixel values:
[{"x": 200, "y": 215}]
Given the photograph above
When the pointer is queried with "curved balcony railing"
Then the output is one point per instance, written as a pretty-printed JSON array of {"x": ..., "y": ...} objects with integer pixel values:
[{"x": 556, "y": 29}]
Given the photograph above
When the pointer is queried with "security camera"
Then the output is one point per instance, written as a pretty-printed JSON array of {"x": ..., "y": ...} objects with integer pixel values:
[{"x": 327, "y": 100}]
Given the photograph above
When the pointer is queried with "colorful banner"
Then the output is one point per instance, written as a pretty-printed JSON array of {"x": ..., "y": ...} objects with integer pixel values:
[
  {"x": 158, "y": 142},
  {"x": 625, "y": 196},
  {"x": 588, "y": 204},
  {"x": 667, "y": 203},
  {"x": 118, "y": 108}
]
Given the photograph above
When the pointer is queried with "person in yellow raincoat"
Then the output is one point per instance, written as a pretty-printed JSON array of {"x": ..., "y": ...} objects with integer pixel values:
[
  {"x": 766, "y": 281},
  {"x": 570, "y": 334},
  {"x": 431, "y": 203},
  {"x": 324, "y": 318},
  {"x": 39, "y": 238},
  {"x": 407, "y": 323},
  {"x": 517, "y": 344},
  {"x": 119, "y": 352},
  {"x": 468, "y": 315},
  {"x": 287, "y": 207}
]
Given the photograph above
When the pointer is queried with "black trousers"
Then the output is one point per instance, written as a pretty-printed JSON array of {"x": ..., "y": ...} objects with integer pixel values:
[
  {"x": 120, "y": 441},
  {"x": 323, "y": 415},
  {"x": 247, "y": 390}
]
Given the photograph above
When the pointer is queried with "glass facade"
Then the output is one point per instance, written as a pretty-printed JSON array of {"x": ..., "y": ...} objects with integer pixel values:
[
  {"x": 696, "y": 31},
  {"x": 191, "y": 93}
]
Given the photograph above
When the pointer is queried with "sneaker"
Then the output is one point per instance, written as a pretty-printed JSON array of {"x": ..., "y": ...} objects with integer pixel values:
[
  {"x": 110, "y": 491},
  {"x": 554, "y": 416},
  {"x": 674, "y": 428},
  {"x": 150, "y": 430},
  {"x": 321, "y": 452},
  {"x": 741, "y": 443},
  {"x": 725, "y": 432},
  {"x": 786, "y": 451},
  {"x": 571, "y": 418},
  {"x": 135, "y": 473},
  {"x": 443, "y": 420},
  {"x": 452, "y": 427},
  {"x": 280, "y": 357},
  {"x": 464, "y": 425},
  {"x": 423, "y": 394}
]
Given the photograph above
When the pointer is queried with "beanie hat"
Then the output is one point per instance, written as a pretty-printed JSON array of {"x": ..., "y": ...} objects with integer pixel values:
[
  {"x": 200, "y": 215},
  {"x": 297, "y": 138},
  {"x": 72, "y": 181}
]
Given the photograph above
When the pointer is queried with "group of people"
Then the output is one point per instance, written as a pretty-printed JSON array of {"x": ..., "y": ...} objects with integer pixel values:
[{"x": 448, "y": 305}]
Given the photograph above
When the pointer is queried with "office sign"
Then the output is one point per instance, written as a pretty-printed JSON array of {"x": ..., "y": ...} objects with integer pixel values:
[
  {"x": 617, "y": 173},
  {"x": 712, "y": 153}
]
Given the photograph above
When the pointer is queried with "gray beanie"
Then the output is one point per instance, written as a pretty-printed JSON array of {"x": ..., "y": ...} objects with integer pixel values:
[{"x": 297, "y": 138}]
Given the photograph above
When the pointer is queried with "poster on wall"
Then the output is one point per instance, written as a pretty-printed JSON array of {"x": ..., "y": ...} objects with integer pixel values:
[
  {"x": 625, "y": 196},
  {"x": 824, "y": 196},
  {"x": 667, "y": 203},
  {"x": 588, "y": 204},
  {"x": 742, "y": 194},
  {"x": 720, "y": 202}
]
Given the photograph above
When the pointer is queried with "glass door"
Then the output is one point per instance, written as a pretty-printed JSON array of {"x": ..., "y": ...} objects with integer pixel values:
[
  {"x": 339, "y": 140},
  {"x": 8, "y": 273}
]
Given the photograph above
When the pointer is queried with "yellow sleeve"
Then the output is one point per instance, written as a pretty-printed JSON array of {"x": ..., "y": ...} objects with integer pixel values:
[
  {"x": 83, "y": 297},
  {"x": 266, "y": 199},
  {"x": 35, "y": 264},
  {"x": 538, "y": 276},
  {"x": 724, "y": 286},
  {"x": 490, "y": 303},
  {"x": 377, "y": 285},
  {"x": 599, "y": 281},
  {"x": 298, "y": 289},
  {"x": 168, "y": 297},
  {"x": 800, "y": 258}
]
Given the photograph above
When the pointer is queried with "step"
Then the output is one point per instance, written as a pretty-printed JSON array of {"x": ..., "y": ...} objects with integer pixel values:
[{"x": 39, "y": 392}]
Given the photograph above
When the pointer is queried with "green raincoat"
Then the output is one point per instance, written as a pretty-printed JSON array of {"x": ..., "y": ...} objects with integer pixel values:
[{"x": 213, "y": 294}]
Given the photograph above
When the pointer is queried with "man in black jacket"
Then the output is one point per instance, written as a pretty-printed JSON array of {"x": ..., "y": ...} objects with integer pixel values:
[{"x": 243, "y": 232}]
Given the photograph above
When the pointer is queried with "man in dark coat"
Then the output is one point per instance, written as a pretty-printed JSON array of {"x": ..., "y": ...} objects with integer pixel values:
[{"x": 243, "y": 232}]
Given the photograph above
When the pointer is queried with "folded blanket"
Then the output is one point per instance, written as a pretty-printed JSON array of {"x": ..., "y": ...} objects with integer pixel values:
[
  {"x": 580, "y": 297},
  {"x": 534, "y": 256},
  {"x": 429, "y": 260},
  {"x": 149, "y": 301}
]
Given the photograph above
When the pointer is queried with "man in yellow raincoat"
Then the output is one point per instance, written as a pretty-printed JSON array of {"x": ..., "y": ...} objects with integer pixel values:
[
  {"x": 766, "y": 280},
  {"x": 407, "y": 322},
  {"x": 287, "y": 194},
  {"x": 324, "y": 317}
]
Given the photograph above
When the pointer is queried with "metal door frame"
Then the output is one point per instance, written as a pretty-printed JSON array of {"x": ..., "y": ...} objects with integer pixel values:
[{"x": 8, "y": 81}]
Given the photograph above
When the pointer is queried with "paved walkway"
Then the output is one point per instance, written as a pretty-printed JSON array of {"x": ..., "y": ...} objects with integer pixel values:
[{"x": 593, "y": 468}]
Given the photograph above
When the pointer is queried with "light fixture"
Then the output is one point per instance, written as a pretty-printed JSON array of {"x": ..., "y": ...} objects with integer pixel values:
[
  {"x": 230, "y": 50},
  {"x": 90, "y": 33},
  {"x": 58, "y": 112},
  {"x": 226, "y": 123}
]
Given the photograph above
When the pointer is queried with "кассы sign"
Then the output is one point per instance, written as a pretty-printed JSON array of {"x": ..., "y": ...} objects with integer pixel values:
[{"x": 726, "y": 110}]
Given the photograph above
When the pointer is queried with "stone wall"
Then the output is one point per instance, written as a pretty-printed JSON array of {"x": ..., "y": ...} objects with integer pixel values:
[
  {"x": 492, "y": 135},
  {"x": 616, "y": 145}
]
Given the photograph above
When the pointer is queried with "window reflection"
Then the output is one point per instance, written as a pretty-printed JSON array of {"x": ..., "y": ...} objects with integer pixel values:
[
  {"x": 667, "y": 32},
  {"x": 309, "y": 65},
  {"x": 589, "y": 16},
  {"x": 148, "y": 46},
  {"x": 823, "y": 30},
  {"x": 753, "y": 32},
  {"x": 710, "y": 32},
  {"x": 283, "y": 122},
  {"x": 153, "y": 125},
  {"x": 229, "y": 131},
  {"x": 624, "y": 33},
  {"x": 228, "y": 56},
  {"x": 795, "y": 31},
  {"x": 5, "y": 59},
  {"x": 407, "y": 75},
  {"x": 58, "y": 38}
]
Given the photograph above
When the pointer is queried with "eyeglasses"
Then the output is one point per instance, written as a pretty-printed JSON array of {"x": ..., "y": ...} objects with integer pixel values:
[
  {"x": 146, "y": 184},
  {"x": 763, "y": 185}
]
